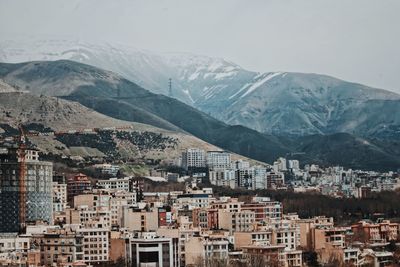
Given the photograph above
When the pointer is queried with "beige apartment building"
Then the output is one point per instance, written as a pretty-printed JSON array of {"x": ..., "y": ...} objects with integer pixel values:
[
  {"x": 236, "y": 221},
  {"x": 200, "y": 248},
  {"x": 306, "y": 225},
  {"x": 60, "y": 246},
  {"x": 274, "y": 255},
  {"x": 135, "y": 219},
  {"x": 96, "y": 241}
]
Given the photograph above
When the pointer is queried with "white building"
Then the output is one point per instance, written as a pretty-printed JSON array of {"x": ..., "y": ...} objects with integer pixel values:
[
  {"x": 222, "y": 178},
  {"x": 280, "y": 165},
  {"x": 107, "y": 168},
  {"x": 259, "y": 178},
  {"x": 218, "y": 160},
  {"x": 193, "y": 158},
  {"x": 125, "y": 184},
  {"x": 294, "y": 164},
  {"x": 11, "y": 242},
  {"x": 59, "y": 197},
  {"x": 241, "y": 164}
]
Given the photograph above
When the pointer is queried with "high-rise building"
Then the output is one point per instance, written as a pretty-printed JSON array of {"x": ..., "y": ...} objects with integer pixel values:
[
  {"x": 241, "y": 164},
  {"x": 34, "y": 188},
  {"x": 280, "y": 165},
  {"x": 244, "y": 178},
  {"x": 193, "y": 158},
  {"x": 218, "y": 160},
  {"x": 294, "y": 164}
]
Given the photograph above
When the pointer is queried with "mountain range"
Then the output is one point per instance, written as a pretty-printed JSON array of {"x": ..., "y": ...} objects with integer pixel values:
[
  {"x": 274, "y": 103},
  {"x": 117, "y": 97},
  {"x": 259, "y": 115}
]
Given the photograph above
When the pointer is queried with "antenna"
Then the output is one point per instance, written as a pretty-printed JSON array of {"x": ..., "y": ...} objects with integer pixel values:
[{"x": 170, "y": 87}]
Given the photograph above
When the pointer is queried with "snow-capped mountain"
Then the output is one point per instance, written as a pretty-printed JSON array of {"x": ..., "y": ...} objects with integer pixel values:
[
  {"x": 276, "y": 102},
  {"x": 193, "y": 77}
]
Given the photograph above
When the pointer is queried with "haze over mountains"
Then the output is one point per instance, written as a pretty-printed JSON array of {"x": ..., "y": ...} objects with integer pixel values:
[{"x": 278, "y": 103}]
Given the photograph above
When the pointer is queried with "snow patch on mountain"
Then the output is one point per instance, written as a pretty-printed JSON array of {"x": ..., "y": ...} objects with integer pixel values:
[
  {"x": 186, "y": 91},
  {"x": 257, "y": 84},
  {"x": 240, "y": 90}
]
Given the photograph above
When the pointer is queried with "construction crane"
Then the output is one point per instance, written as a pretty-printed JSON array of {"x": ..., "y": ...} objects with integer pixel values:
[{"x": 22, "y": 179}]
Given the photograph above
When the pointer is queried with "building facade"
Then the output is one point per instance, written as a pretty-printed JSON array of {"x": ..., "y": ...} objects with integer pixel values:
[{"x": 35, "y": 190}]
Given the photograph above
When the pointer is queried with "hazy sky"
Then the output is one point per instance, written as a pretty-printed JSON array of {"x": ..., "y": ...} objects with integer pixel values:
[{"x": 356, "y": 40}]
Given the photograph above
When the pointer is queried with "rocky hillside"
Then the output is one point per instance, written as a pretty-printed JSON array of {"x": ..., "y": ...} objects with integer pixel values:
[{"x": 98, "y": 136}]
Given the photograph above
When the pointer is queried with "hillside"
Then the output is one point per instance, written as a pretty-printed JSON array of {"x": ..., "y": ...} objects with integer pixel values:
[
  {"x": 347, "y": 150},
  {"x": 303, "y": 104},
  {"x": 48, "y": 114}
]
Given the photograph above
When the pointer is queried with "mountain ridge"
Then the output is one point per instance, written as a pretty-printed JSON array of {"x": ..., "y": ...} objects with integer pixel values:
[
  {"x": 122, "y": 99},
  {"x": 278, "y": 103}
]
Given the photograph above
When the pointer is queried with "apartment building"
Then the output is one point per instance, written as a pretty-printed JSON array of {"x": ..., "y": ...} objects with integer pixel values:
[
  {"x": 59, "y": 197},
  {"x": 60, "y": 246},
  {"x": 306, "y": 225},
  {"x": 136, "y": 219},
  {"x": 76, "y": 185},
  {"x": 218, "y": 160},
  {"x": 222, "y": 177},
  {"x": 201, "y": 248},
  {"x": 274, "y": 255},
  {"x": 376, "y": 232},
  {"x": 127, "y": 184},
  {"x": 193, "y": 158},
  {"x": 236, "y": 221},
  {"x": 242, "y": 239},
  {"x": 264, "y": 208},
  {"x": 84, "y": 214},
  {"x": 275, "y": 180},
  {"x": 96, "y": 241}
]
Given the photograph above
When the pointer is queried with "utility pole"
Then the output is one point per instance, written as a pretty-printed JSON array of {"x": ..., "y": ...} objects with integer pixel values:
[{"x": 170, "y": 87}]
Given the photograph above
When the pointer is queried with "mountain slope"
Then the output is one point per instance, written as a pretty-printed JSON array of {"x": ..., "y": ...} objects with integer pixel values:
[
  {"x": 303, "y": 104},
  {"x": 278, "y": 103},
  {"x": 347, "y": 150},
  {"x": 48, "y": 114},
  {"x": 107, "y": 92}
]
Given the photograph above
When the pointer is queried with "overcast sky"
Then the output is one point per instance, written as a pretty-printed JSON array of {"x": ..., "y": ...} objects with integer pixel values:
[{"x": 357, "y": 40}]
